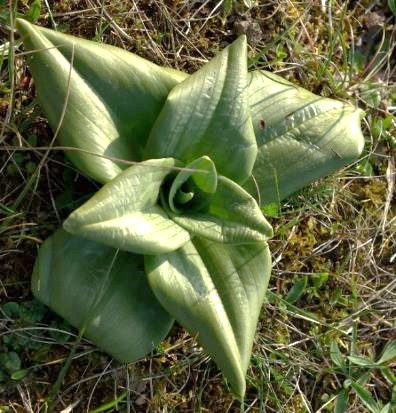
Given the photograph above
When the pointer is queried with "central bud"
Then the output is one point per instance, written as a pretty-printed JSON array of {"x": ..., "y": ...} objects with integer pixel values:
[{"x": 191, "y": 188}]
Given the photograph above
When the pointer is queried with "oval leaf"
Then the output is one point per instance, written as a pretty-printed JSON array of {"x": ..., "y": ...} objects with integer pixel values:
[
  {"x": 216, "y": 291},
  {"x": 124, "y": 213},
  {"x": 298, "y": 289},
  {"x": 341, "y": 401},
  {"x": 389, "y": 352},
  {"x": 366, "y": 398},
  {"x": 300, "y": 136},
  {"x": 208, "y": 114},
  {"x": 103, "y": 292},
  {"x": 336, "y": 356},
  {"x": 112, "y": 99}
]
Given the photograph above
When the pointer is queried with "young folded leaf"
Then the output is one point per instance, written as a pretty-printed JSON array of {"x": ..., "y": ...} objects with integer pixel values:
[
  {"x": 102, "y": 292},
  {"x": 208, "y": 114},
  {"x": 232, "y": 216},
  {"x": 300, "y": 136},
  {"x": 200, "y": 176},
  {"x": 216, "y": 291},
  {"x": 124, "y": 213},
  {"x": 111, "y": 101}
]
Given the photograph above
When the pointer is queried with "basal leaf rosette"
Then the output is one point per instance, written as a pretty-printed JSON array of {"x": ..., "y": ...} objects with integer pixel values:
[{"x": 179, "y": 234}]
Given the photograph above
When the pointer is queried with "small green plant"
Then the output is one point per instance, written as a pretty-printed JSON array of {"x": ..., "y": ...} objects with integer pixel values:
[
  {"x": 357, "y": 371},
  {"x": 230, "y": 5},
  {"x": 12, "y": 343},
  {"x": 187, "y": 162}
]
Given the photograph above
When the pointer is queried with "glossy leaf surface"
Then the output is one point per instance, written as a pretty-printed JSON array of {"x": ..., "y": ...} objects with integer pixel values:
[
  {"x": 112, "y": 99},
  {"x": 124, "y": 213},
  {"x": 102, "y": 291},
  {"x": 208, "y": 114},
  {"x": 300, "y": 136},
  {"x": 216, "y": 291}
]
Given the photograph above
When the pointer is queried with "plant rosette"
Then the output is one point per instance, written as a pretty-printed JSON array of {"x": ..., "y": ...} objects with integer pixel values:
[{"x": 180, "y": 234}]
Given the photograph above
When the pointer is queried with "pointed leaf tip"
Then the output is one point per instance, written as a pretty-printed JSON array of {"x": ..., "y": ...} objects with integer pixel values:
[
  {"x": 112, "y": 95},
  {"x": 215, "y": 291},
  {"x": 208, "y": 114}
]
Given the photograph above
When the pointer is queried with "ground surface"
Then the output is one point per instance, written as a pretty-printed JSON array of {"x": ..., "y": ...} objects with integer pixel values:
[{"x": 332, "y": 292}]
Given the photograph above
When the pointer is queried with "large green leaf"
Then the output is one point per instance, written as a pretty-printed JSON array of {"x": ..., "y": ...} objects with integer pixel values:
[
  {"x": 112, "y": 99},
  {"x": 300, "y": 136},
  {"x": 215, "y": 291},
  {"x": 124, "y": 213},
  {"x": 102, "y": 292},
  {"x": 208, "y": 114}
]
